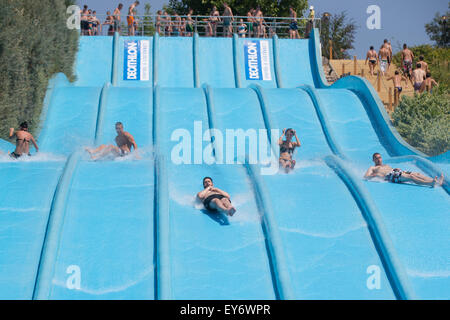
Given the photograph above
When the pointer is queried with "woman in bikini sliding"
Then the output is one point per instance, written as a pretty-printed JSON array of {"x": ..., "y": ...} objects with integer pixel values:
[
  {"x": 287, "y": 148},
  {"x": 23, "y": 138}
]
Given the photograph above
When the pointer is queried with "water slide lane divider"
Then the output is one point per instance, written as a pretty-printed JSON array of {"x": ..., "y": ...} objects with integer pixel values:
[
  {"x": 237, "y": 74},
  {"x": 280, "y": 274},
  {"x": 195, "y": 58},
  {"x": 276, "y": 61},
  {"x": 394, "y": 270},
  {"x": 115, "y": 59},
  {"x": 50, "y": 248},
  {"x": 101, "y": 111},
  {"x": 323, "y": 119},
  {"x": 155, "y": 58},
  {"x": 162, "y": 213}
]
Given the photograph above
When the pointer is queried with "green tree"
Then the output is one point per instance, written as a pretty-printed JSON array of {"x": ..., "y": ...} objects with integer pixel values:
[
  {"x": 270, "y": 8},
  {"x": 341, "y": 31},
  {"x": 35, "y": 43},
  {"x": 149, "y": 28},
  {"x": 438, "y": 30}
]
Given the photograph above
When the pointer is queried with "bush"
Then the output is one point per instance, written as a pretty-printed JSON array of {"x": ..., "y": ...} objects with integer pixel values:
[
  {"x": 35, "y": 43},
  {"x": 424, "y": 121}
]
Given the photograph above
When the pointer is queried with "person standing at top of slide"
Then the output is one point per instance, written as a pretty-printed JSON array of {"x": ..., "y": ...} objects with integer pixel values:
[
  {"x": 131, "y": 21},
  {"x": 227, "y": 20},
  {"x": 116, "y": 16},
  {"x": 293, "y": 26}
]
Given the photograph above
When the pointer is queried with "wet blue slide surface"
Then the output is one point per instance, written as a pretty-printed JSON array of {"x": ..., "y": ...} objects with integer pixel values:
[{"x": 132, "y": 228}]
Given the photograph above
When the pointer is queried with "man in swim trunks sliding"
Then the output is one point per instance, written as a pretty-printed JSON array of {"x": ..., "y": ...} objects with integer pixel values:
[
  {"x": 215, "y": 199},
  {"x": 397, "y": 175},
  {"x": 131, "y": 20},
  {"x": 23, "y": 138},
  {"x": 124, "y": 141},
  {"x": 372, "y": 56}
]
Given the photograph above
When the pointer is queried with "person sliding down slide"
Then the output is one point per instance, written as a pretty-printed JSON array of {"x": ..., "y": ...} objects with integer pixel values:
[
  {"x": 287, "y": 148},
  {"x": 215, "y": 199},
  {"x": 397, "y": 175},
  {"x": 124, "y": 141},
  {"x": 23, "y": 138}
]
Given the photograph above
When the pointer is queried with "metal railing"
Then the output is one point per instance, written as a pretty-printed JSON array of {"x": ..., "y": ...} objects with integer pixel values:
[{"x": 186, "y": 26}]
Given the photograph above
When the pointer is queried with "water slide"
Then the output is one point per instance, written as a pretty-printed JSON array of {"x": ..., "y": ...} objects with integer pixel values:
[{"x": 131, "y": 228}]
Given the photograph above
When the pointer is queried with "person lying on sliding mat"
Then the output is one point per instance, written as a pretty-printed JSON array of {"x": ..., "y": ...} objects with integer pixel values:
[
  {"x": 215, "y": 199},
  {"x": 397, "y": 175}
]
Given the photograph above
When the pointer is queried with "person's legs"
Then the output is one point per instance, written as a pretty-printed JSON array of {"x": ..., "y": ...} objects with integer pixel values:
[
  {"x": 219, "y": 205},
  {"x": 226, "y": 202},
  {"x": 421, "y": 179},
  {"x": 102, "y": 151}
]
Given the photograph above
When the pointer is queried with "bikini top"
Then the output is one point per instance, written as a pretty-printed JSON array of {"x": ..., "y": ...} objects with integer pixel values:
[{"x": 284, "y": 149}]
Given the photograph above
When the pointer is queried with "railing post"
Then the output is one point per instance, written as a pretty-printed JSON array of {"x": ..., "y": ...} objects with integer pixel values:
[
  {"x": 390, "y": 99},
  {"x": 331, "y": 49},
  {"x": 343, "y": 68},
  {"x": 355, "y": 65},
  {"x": 379, "y": 81}
]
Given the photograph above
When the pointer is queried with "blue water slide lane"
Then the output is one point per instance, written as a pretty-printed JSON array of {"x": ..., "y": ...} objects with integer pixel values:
[
  {"x": 415, "y": 217},
  {"x": 98, "y": 233},
  {"x": 175, "y": 62},
  {"x": 205, "y": 247},
  {"x": 215, "y": 62},
  {"x": 94, "y": 61},
  {"x": 320, "y": 248}
]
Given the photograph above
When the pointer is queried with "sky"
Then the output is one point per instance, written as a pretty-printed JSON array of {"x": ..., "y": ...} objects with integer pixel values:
[{"x": 402, "y": 21}]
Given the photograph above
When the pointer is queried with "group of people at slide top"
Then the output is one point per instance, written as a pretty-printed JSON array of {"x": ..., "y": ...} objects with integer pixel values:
[
  {"x": 420, "y": 77},
  {"x": 253, "y": 25},
  {"x": 91, "y": 26}
]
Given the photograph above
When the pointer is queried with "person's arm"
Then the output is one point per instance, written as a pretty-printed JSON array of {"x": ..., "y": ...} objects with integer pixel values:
[
  {"x": 221, "y": 192},
  {"x": 131, "y": 139},
  {"x": 11, "y": 132},
  {"x": 367, "y": 58},
  {"x": 34, "y": 143},
  {"x": 369, "y": 174},
  {"x": 298, "y": 144},
  {"x": 280, "y": 141}
]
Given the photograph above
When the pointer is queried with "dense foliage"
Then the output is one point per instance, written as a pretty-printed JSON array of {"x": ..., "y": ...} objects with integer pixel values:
[
  {"x": 424, "y": 121},
  {"x": 35, "y": 43}
]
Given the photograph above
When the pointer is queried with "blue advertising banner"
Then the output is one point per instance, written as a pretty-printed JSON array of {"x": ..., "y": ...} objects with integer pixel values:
[
  {"x": 257, "y": 60},
  {"x": 136, "y": 60}
]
